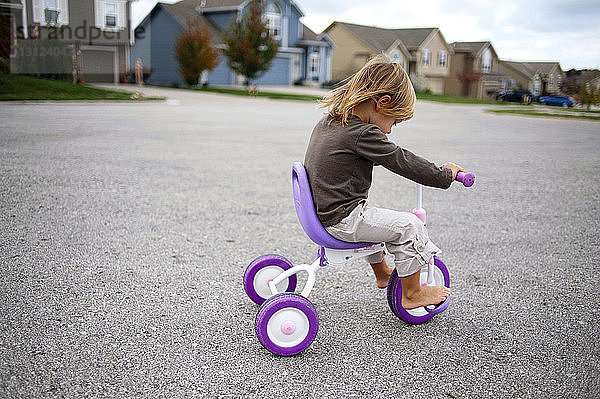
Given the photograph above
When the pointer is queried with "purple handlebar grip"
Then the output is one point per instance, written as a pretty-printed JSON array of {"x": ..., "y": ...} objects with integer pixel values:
[{"x": 467, "y": 179}]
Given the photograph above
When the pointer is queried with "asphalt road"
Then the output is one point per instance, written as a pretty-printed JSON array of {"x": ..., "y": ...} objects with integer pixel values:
[{"x": 126, "y": 230}]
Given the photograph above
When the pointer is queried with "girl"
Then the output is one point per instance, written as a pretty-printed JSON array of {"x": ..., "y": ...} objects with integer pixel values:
[{"x": 344, "y": 147}]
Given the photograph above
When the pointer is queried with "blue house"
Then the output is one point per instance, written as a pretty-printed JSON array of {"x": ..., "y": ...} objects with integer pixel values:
[{"x": 303, "y": 57}]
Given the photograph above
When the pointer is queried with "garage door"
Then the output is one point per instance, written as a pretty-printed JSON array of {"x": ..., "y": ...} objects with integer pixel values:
[
  {"x": 98, "y": 65},
  {"x": 279, "y": 74},
  {"x": 436, "y": 85}
]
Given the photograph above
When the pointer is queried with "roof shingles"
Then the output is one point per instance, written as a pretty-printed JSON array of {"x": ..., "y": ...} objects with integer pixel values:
[
  {"x": 381, "y": 39},
  {"x": 468, "y": 47},
  {"x": 185, "y": 12}
]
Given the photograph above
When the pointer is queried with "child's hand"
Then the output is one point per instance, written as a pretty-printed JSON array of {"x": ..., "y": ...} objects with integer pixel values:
[{"x": 454, "y": 168}]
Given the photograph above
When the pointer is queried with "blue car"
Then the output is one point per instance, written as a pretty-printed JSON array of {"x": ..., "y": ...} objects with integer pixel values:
[{"x": 556, "y": 99}]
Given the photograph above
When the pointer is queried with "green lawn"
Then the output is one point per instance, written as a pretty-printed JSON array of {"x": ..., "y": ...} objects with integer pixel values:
[
  {"x": 543, "y": 114},
  {"x": 16, "y": 87}
]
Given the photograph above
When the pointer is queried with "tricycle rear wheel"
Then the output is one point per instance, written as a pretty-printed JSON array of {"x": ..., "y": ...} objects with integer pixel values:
[{"x": 264, "y": 269}]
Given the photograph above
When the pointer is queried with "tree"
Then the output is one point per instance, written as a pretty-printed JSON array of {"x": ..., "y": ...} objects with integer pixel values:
[
  {"x": 249, "y": 45},
  {"x": 590, "y": 95},
  {"x": 195, "y": 53},
  {"x": 570, "y": 84}
]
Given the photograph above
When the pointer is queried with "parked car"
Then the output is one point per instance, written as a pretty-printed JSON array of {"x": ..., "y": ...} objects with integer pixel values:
[
  {"x": 515, "y": 96},
  {"x": 557, "y": 99}
]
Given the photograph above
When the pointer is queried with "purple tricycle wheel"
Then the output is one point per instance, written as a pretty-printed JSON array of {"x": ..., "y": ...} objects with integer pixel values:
[
  {"x": 286, "y": 324},
  {"x": 394, "y": 293},
  {"x": 264, "y": 269}
]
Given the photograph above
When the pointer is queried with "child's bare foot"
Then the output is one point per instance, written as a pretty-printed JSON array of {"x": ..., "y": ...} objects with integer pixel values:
[
  {"x": 424, "y": 296},
  {"x": 383, "y": 279},
  {"x": 382, "y": 273}
]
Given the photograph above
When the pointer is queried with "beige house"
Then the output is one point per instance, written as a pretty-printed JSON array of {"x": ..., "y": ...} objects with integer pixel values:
[
  {"x": 539, "y": 77},
  {"x": 423, "y": 52},
  {"x": 517, "y": 75},
  {"x": 474, "y": 71}
]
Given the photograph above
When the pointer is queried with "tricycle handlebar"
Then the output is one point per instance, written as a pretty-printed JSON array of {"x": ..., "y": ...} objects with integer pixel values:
[{"x": 467, "y": 179}]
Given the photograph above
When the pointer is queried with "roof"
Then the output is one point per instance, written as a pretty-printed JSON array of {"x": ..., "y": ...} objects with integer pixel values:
[
  {"x": 530, "y": 69},
  {"x": 468, "y": 47},
  {"x": 224, "y": 5},
  {"x": 185, "y": 12},
  {"x": 308, "y": 34},
  {"x": 381, "y": 38},
  {"x": 221, "y": 3},
  {"x": 182, "y": 11},
  {"x": 544, "y": 67},
  {"x": 519, "y": 67},
  {"x": 310, "y": 38}
]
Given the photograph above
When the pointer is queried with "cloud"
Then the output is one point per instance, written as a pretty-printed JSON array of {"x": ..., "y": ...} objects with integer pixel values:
[
  {"x": 540, "y": 30},
  {"x": 140, "y": 8}
]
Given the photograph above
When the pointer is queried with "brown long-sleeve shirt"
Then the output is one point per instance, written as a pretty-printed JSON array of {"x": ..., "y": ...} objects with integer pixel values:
[{"x": 339, "y": 162}]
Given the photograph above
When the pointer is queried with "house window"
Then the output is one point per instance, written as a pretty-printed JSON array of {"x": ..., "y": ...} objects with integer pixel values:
[
  {"x": 51, "y": 11},
  {"x": 426, "y": 59},
  {"x": 273, "y": 17},
  {"x": 396, "y": 57},
  {"x": 110, "y": 15},
  {"x": 442, "y": 59},
  {"x": 486, "y": 62}
]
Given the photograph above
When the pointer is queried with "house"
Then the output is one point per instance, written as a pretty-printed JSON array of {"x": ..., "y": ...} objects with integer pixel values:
[
  {"x": 540, "y": 78},
  {"x": 303, "y": 56},
  {"x": 474, "y": 71},
  {"x": 10, "y": 10},
  {"x": 88, "y": 39},
  {"x": 423, "y": 52},
  {"x": 547, "y": 77}
]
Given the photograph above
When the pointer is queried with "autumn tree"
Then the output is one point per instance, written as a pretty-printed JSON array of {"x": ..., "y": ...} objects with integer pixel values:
[
  {"x": 194, "y": 52},
  {"x": 250, "y": 48}
]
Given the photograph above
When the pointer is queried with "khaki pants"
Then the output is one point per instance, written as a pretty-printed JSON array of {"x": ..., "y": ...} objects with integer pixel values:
[{"x": 404, "y": 234}]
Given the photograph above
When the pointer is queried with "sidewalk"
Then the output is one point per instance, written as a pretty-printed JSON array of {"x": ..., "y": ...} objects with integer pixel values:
[{"x": 153, "y": 90}]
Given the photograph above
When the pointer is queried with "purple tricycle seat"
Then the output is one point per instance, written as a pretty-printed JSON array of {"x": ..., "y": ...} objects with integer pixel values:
[{"x": 305, "y": 209}]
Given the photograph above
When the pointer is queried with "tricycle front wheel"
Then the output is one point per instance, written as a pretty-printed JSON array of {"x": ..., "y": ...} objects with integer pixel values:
[{"x": 441, "y": 276}]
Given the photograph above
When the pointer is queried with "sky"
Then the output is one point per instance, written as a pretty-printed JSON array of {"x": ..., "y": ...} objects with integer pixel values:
[{"x": 567, "y": 31}]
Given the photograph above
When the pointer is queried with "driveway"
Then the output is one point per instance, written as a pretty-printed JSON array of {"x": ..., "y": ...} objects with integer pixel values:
[{"x": 127, "y": 227}]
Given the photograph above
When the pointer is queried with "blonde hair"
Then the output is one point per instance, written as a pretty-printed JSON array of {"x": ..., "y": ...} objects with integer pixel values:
[{"x": 380, "y": 76}]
